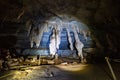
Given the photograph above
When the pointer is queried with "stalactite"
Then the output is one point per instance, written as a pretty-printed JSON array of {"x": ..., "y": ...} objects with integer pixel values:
[
  {"x": 40, "y": 31},
  {"x": 52, "y": 45},
  {"x": 58, "y": 36},
  {"x": 78, "y": 44},
  {"x": 37, "y": 31},
  {"x": 36, "y": 36},
  {"x": 70, "y": 39}
]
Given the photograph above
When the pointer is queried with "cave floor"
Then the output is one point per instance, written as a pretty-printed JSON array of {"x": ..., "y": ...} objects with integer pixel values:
[{"x": 62, "y": 72}]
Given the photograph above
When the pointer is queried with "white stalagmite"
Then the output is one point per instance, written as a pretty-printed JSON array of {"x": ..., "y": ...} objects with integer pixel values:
[
  {"x": 52, "y": 45},
  {"x": 70, "y": 39},
  {"x": 78, "y": 44}
]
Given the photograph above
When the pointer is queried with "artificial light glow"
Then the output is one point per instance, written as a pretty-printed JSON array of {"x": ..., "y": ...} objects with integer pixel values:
[{"x": 70, "y": 67}]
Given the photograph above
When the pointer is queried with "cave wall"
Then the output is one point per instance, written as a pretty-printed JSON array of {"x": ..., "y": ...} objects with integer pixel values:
[{"x": 101, "y": 16}]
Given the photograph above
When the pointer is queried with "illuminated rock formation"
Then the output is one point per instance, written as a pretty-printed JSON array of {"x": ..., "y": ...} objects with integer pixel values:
[
  {"x": 52, "y": 45},
  {"x": 78, "y": 44},
  {"x": 70, "y": 39}
]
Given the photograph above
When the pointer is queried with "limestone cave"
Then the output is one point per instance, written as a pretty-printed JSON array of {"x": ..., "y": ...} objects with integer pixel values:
[{"x": 59, "y": 39}]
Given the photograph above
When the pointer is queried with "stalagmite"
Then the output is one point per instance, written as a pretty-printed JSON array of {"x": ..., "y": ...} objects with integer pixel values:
[{"x": 78, "y": 44}]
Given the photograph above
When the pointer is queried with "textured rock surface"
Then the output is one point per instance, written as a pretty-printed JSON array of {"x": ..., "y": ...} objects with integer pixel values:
[{"x": 101, "y": 16}]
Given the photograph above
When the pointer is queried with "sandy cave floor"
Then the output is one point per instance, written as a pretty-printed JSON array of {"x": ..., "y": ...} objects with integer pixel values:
[{"x": 62, "y": 72}]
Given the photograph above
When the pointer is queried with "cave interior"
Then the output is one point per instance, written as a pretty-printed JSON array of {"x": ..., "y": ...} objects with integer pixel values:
[{"x": 56, "y": 29}]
